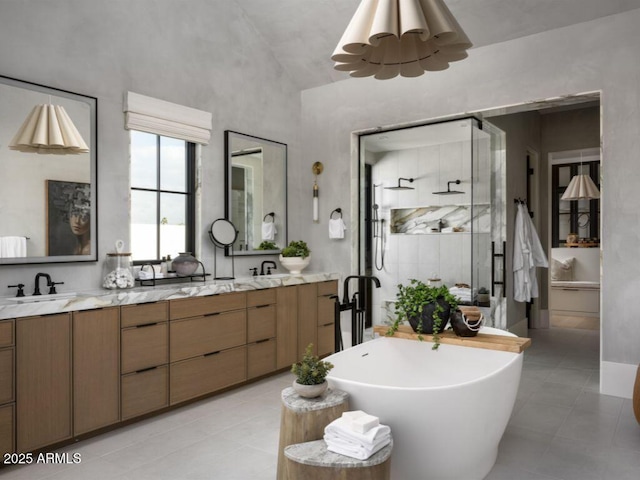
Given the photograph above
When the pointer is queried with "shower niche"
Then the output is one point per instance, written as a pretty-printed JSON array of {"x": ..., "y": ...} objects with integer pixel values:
[{"x": 443, "y": 222}]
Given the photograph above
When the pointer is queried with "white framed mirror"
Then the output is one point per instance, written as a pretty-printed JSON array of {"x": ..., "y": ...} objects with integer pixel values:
[
  {"x": 256, "y": 193},
  {"x": 48, "y": 199}
]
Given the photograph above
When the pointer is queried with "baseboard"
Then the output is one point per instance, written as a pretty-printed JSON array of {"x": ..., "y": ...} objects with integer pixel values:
[
  {"x": 617, "y": 379},
  {"x": 520, "y": 329}
]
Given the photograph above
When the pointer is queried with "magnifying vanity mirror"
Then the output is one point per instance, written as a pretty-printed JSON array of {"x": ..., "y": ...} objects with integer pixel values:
[
  {"x": 256, "y": 193},
  {"x": 48, "y": 195}
]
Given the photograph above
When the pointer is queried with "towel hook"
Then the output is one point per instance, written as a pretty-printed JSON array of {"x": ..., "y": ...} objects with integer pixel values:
[
  {"x": 270, "y": 214},
  {"x": 338, "y": 211}
]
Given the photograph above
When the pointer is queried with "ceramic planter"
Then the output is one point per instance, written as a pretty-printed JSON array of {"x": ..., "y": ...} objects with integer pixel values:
[
  {"x": 295, "y": 265},
  {"x": 427, "y": 318},
  {"x": 310, "y": 391}
]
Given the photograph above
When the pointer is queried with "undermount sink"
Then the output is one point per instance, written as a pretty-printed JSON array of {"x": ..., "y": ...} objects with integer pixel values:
[
  {"x": 272, "y": 276},
  {"x": 42, "y": 298}
]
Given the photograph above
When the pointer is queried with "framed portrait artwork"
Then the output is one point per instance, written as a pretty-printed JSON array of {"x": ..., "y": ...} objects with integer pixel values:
[{"x": 68, "y": 218}]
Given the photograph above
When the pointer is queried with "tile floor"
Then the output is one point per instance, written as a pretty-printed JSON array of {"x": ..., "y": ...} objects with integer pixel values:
[{"x": 561, "y": 429}]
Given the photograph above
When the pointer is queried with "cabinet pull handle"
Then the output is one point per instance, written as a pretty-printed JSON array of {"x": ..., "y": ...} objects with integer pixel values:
[
  {"x": 211, "y": 353},
  {"x": 146, "y": 369},
  {"x": 211, "y": 314},
  {"x": 263, "y": 340},
  {"x": 327, "y": 324},
  {"x": 146, "y": 325},
  {"x": 263, "y": 306}
]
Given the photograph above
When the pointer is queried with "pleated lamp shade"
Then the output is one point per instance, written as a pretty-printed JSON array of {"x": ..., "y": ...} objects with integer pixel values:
[
  {"x": 386, "y": 38},
  {"x": 49, "y": 129},
  {"x": 581, "y": 187}
]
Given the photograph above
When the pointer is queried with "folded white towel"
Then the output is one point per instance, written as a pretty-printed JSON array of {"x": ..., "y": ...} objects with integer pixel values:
[
  {"x": 13, "y": 247},
  {"x": 354, "y": 450},
  {"x": 349, "y": 417},
  {"x": 336, "y": 228},
  {"x": 144, "y": 275},
  {"x": 340, "y": 428},
  {"x": 269, "y": 231}
]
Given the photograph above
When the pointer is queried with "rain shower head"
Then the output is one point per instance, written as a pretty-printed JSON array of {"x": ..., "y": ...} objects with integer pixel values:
[
  {"x": 400, "y": 187},
  {"x": 449, "y": 191}
]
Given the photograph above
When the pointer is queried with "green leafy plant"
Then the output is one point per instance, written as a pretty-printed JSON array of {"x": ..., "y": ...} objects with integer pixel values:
[
  {"x": 296, "y": 248},
  {"x": 411, "y": 301},
  {"x": 311, "y": 370},
  {"x": 267, "y": 245},
  {"x": 483, "y": 290}
]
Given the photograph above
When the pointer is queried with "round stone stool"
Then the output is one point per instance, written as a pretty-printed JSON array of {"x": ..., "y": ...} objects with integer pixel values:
[
  {"x": 304, "y": 419},
  {"x": 312, "y": 461}
]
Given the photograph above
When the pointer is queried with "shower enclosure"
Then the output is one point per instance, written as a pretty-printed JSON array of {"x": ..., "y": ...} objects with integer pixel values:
[{"x": 443, "y": 225}]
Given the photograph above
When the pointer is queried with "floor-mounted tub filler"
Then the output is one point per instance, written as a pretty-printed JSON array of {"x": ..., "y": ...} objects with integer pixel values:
[{"x": 447, "y": 408}]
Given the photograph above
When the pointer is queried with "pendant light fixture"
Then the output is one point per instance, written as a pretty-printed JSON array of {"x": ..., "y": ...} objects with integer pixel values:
[
  {"x": 581, "y": 187},
  {"x": 49, "y": 129},
  {"x": 386, "y": 38}
]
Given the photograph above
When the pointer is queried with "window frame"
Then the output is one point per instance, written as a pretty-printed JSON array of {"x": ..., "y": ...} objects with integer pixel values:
[{"x": 189, "y": 193}]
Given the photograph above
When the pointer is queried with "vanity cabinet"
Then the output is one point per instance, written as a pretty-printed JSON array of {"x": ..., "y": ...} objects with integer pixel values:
[
  {"x": 307, "y": 318},
  {"x": 207, "y": 338},
  {"x": 261, "y": 332},
  {"x": 286, "y": 326},
  {"x": 7, "y": 387},
  {"x": 145, "y": 358},
  {"x": 43, "y": 381},
  {"x": 96, "y": 369},
  {"x": 326, "y": 317}
]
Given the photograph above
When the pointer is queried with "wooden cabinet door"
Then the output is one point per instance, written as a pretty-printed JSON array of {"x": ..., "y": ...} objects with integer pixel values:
[
  {"x": 43, "y": 380},
  {"x": 96, "y": 369},
  {"x": 307, "y": 317},
  {"x": 286, "y": 326},
  {"x": 7, "y": 429}
]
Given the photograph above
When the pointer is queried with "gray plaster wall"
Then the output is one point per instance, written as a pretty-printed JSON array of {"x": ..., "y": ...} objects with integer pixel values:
[
  {"x": 104, "y": 49},
  {"x": 595, "y": 56}
]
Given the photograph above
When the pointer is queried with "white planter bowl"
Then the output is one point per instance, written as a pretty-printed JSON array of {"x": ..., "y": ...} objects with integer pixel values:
[
  {"x": 295, "y": 265},
  {"x": 310, "y": 391}
]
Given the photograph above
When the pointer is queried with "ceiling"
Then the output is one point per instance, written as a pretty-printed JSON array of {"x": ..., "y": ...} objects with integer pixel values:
[{"x": 302, "y": 34}]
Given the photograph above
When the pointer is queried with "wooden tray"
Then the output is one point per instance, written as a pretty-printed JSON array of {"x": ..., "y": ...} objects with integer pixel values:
[{"x": 482, "y": 340}]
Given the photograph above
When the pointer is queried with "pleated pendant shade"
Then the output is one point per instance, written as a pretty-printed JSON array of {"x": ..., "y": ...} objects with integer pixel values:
[
  {"x": 387, "y": 38},
  {"x": 49, "y": 129},
  {"x": 581, "y": 187}
]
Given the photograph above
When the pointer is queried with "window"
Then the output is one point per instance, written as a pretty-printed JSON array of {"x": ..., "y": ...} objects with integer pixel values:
[
  {"x": 162, "y": 196},
  {"x": 570, "y": 216}
]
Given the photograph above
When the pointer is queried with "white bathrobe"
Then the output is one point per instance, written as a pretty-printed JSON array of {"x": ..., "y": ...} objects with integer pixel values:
[{"x": 527, "y": 255}]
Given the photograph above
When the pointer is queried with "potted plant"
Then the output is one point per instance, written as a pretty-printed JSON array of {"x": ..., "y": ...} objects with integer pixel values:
[
  {"x": 295, "y": 256},
  {"x": 426, "y": 308},
  {"x": 311, "y": 374},
  {"x": 484, "y": 297},
  {"x": 267, "y": 245}
]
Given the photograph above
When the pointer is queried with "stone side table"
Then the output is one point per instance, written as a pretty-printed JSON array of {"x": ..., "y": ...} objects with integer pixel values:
[
  {"x": 312, "y": 461},
  {"x": 304, "y": 419}
]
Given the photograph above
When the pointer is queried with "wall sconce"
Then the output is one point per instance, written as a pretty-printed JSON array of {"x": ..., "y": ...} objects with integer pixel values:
[{"x": 317, "y": 169}]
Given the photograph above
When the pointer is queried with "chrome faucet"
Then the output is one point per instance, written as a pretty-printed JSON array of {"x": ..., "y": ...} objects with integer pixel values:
[{"x": 268, "y": 263}]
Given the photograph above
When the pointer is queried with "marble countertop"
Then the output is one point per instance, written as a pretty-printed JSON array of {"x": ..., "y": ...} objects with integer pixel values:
[
  {"x": 315, "y": 453},
  {"x": 12, "y": 307}
]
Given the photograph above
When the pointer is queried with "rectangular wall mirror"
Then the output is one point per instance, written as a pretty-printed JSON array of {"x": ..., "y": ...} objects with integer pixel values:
[
  {"x": 256, "y": 193},
  {"x": 48, "y": 157}
]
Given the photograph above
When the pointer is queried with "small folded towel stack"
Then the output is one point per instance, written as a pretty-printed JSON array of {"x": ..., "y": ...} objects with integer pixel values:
[
  {"x": 336, "y": 228},
  {"x": 357, "y": 435},
  {"x": 269, "y": 231}
]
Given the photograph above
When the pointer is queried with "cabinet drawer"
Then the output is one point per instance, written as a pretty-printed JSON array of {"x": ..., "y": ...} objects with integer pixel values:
[
  {"x": 197, "y": 306},
  {"x": 328, "y": 288},
  {"x": 145, "y": 392},
  {"x": 326, "y": 310},
  {"x": 261, "y": 297},
  {"x": 574, "y": 300},
  {"x": 326, "y": 339},
  {"x": 6, "y": 333},
  {"x": 7, "y": 429},
  {"x": 144, "y": 347},
  {"x": 132, "y": 315},
  {"x": 6, "y": 375},
  {"x": 261, "y": 358},
  {"x": 261, "y": 323},
  {"x": 202, "y": 335},
  {"x": 199, "y": 376}
]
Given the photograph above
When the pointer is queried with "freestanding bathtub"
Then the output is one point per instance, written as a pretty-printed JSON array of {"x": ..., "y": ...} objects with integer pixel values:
[{"x": 447, "y": 409}]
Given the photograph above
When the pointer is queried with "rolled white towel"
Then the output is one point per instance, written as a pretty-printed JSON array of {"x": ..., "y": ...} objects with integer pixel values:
[
  {"x": 340, "y": 428},
  {"x": 269, "y": 231},
  {"x": 336, "y": 228}
]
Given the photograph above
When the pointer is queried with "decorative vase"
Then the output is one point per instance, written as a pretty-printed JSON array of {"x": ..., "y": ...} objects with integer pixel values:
[
  {"x": 573, "y": 238},
  {"x": 466, "y": 326},
  {"x": 484, "y": 299},
  {"x": 185, "y": 264},
  {"x": 118, "y": 271},
  {"x": 427, "y": 317},
  {"x": 310, "y": 391},
  {"x": 295, "y": 265}
]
